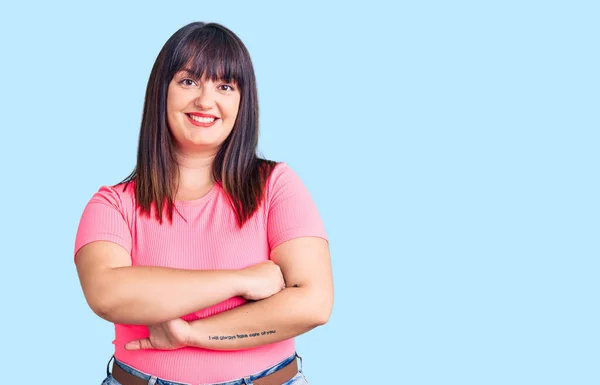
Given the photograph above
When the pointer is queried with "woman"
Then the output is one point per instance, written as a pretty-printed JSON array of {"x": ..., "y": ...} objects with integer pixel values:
[{"x": 213, "y": 286}]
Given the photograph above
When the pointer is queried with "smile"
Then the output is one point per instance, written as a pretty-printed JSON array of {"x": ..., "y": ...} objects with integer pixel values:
[{"x": 201, "y": 121}]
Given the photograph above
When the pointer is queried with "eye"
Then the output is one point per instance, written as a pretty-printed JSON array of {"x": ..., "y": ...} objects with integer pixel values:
[
  {"x": 226, "y": 87},
  {"x": 187, "y": 82}
]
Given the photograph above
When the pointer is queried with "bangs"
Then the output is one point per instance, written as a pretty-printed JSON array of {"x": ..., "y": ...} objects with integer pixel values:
[{"x": 210, "y": 53}]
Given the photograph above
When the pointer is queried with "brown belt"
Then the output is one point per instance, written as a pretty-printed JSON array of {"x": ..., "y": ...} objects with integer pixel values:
[{"x": 276, "y": 378}]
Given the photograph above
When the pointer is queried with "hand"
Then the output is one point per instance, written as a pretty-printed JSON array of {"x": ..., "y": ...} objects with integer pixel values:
[
  {"x": 168, "y": 335},
  {"x": 262, "y": 280}
]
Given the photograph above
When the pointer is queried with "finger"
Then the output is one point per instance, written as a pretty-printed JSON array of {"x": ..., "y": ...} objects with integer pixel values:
[{"x": 139, "y": 344}]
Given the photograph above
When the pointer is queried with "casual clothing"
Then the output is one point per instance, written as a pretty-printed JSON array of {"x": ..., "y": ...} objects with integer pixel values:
[
  {"x": 298, "y": 379},
  {"x": 203, "y": 235}
]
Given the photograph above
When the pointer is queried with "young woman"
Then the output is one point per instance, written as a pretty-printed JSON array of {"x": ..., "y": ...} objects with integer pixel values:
[{"x": 208, "y": 259}]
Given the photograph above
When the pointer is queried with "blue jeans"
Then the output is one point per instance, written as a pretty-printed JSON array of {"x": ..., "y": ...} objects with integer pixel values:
[{"x": 298, "y": 379}]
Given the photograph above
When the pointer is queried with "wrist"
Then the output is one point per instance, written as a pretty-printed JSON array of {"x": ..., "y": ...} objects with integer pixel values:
[
  {"x": 239, "y": 282},
  {"x": 195, "y": 334}
]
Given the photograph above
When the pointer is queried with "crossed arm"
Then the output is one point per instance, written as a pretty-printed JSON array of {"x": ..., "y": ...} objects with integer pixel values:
[{"x": 121, "y": 293}]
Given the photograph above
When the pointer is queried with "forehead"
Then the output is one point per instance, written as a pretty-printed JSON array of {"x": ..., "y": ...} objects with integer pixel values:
[
  {"x": 212, "y": 72},
  {"x": 208, "y": 62},
  {"x": 189, "y": 73},
  {"x": 210, "y": 54}
]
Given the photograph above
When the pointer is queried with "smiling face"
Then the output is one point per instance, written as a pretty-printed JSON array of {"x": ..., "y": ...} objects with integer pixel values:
[{"x": 201, "y": 112}]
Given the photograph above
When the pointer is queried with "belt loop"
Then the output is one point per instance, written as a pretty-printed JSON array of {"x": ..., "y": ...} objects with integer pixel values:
[
  {"x": 108, "y": 365},
  {"x": 247, "y": 381},
  {"x": 300, "y": 362},
  {"x": 152, "y": 380}
]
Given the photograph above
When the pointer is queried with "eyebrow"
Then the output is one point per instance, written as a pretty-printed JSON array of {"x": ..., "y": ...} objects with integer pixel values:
[
  {"x": 191, "y": 73},
  {"x": 187, "y": 71}
]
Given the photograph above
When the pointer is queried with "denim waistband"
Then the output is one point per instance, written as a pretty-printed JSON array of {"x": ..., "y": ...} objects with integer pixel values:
[{"x": 153, "y": 380}]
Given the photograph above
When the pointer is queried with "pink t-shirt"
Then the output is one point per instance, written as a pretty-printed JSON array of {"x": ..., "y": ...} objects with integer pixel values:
[{"x": 203, "y": 236}]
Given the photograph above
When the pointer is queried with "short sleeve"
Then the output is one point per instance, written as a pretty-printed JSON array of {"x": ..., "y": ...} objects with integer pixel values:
[
  {"x": 104, "y": 219},
  {"x": 292, "y": 212}
]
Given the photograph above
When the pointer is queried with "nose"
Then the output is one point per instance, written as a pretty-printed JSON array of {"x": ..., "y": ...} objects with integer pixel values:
[{"x": 204, "y": 99}]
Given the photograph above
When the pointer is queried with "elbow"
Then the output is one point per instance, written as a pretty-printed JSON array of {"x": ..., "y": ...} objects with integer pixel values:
[
  {"x": 320, "y": 311},
  {"x": 320, "y": 318},
  {"x": 101, "y": 300},
  {"x": 117, "y": 313},
  {"x": 102, "y": 307},
  {"x": 326, "y": 306},
  {"x": 119, "y": 310},
  {"x": 103, "y": 313}
]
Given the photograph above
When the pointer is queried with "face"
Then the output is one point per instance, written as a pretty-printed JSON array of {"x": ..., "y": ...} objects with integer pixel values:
[{"x": 201, "y": 113}]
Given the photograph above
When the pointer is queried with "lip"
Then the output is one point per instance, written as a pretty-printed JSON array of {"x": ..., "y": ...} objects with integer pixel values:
[
  {"x": 201, "y": 115},
  {"x": 200, "y": 124}
]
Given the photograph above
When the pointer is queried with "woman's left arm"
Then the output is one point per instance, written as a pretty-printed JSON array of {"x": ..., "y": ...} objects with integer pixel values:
[{"x": 305, "y": 304}]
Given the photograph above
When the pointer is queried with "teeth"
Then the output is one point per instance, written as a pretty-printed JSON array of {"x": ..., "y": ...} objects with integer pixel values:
[{"x": 201, "y": 119}]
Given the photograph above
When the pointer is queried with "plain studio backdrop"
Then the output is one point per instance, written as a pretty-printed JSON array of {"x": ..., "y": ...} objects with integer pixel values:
[{"x": 451, "y": 148}]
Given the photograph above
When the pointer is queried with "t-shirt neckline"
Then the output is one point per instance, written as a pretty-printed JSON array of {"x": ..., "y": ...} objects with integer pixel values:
[{"x": 199, "y": 201}]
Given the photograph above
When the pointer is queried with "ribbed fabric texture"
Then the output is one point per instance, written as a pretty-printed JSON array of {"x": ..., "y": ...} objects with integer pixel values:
[{"x": 203, "y": 236}]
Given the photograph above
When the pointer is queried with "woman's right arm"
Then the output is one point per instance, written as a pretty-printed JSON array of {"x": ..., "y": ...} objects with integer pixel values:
[{"x": 145, "y": 295}]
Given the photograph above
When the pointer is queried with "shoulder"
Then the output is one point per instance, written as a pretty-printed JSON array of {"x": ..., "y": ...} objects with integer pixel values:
[
  {"x": 279, "y": 179},
  {"x": 292, "y": 213},
  {"x": 121, "y": 197},
  {"x": 284, "y": 183},
  {"x": 281, "y": 175},
  {"x": 107, "y": 217}
]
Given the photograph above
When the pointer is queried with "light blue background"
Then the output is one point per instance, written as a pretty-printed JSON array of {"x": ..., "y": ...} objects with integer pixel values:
[{"x": 451, "y": 147}]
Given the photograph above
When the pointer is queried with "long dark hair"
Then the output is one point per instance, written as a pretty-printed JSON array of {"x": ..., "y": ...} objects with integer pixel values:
[{"x": 213, "y": 51}]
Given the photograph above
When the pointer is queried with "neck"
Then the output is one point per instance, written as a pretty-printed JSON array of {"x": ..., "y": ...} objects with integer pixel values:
[{"x": 195, "y": 170}]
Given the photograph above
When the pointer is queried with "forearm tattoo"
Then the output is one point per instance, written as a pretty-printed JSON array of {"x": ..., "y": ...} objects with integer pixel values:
[{"x": 241, "y": 336}]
